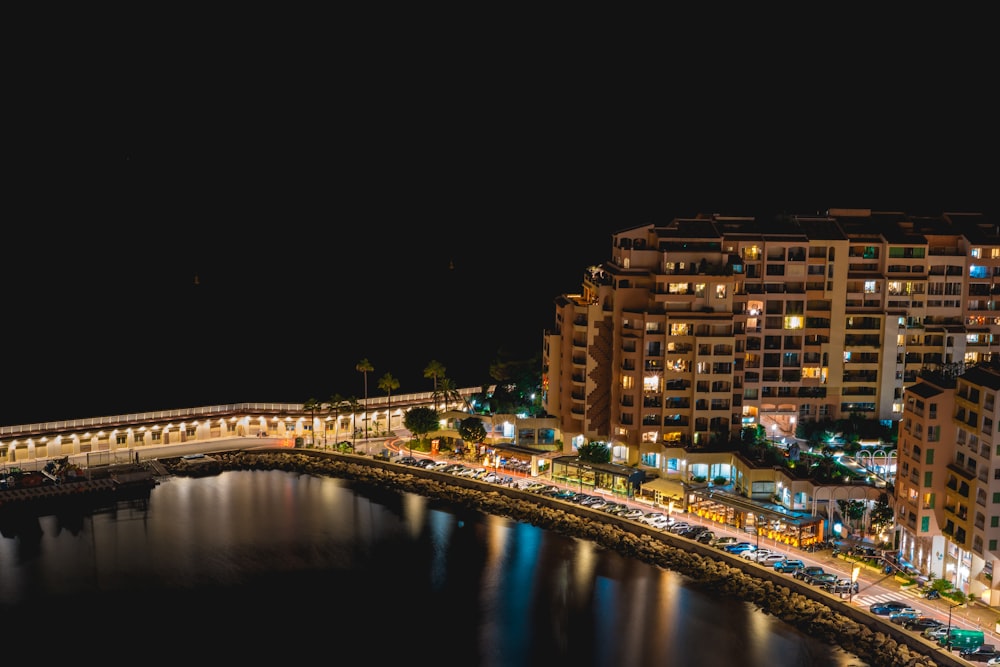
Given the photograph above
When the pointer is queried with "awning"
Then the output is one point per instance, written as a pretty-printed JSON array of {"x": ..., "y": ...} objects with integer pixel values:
[{"x": 665, "y": 486}]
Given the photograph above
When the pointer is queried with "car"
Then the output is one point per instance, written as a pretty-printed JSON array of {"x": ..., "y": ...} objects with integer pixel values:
[
  {"x": 598, "y": 504},
  {"x": 651, "y": 516},
  {"x": 886, "y": 608},
  {"x": 660, "y": 524},
  {"x": 789, "y": 566},
  {"x": 633, "y": 514},
  {"x": 770, "y": 559},
  {"x": 924, "y": 623},
  {"x": 407, "y": 461},
  {"x": 679, "y": 526},
  {"x": 693, "y": 532},
  {"x": 805, "y": 573},
  {"x": 737, "y": 547},
  {"x": 751, "y": 554},
  {"x": 841, "y": 586},
  {"x": 706, "y": 537},
  {"x": 982, "y": 653},
  {"x": 441, "y": 465},
  {"x": 724, "y": 541},
  {"x": 822, "y": 579},
  {"x": 904, "y": 616},
  {"x": 565, "y": 494},
  {"x": 427, "y": 464},
  {"x": 934, "y": 634},
  {"x": 491, "y": 477}
]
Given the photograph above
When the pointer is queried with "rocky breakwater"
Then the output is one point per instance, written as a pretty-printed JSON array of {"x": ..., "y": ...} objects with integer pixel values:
[{"x": 813, "y": 617}]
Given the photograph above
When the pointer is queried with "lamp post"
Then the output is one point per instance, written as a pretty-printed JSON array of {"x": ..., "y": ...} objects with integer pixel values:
[{"x": 947, "y": 643}]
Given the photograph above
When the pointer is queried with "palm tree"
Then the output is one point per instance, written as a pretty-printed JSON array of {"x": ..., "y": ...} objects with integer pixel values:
[
  {"x": 365, "y": 367},
  {"x": 334, "y": 406},
  {"x": 353, "y": 405},
  {"x": 388, "y": 384},
  {"x": 448, "y": 392},
  {"x": 434, "y": 370},
  {"x": 312, "y": 405}
]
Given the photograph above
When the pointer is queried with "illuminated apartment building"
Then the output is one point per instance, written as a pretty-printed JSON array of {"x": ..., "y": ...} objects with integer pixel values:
[
  {"x": 948, "y": 482},
  {"x": 698, "y": 327}
]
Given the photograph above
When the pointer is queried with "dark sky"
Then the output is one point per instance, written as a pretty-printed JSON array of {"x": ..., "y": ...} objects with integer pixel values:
[{"x": 323, "y": 225}]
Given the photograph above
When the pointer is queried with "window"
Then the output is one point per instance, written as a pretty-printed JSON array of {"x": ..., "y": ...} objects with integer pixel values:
[
  {"x": 996, "y": 498},
  {"x": 925, "y": 524},
  {"x": 678, "y": 329},
  {"x": 929, "y": 457},
  {"x": 995, "y": 522},
  {"x": 720, "y": 291},
  {"x": 928, "y": 477}
]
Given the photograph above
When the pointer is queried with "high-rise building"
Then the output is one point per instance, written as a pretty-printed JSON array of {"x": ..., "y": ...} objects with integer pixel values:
[{"x": 693, "y": 329}]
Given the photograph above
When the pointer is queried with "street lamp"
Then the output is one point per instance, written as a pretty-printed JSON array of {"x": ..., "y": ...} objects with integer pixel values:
[{"x": 947, "y": 643}]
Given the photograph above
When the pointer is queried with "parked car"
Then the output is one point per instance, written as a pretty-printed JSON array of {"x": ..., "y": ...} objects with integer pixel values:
[
  {"x": 633, "y": 514},
  {"x": 662, "y": 523},
  {"x": 679, "y": 526},
  {"x": 805, "y": 573},
  {"x": 982, "y": 653},
  {"x": 904, "y": 616},
  {"x": 752, "y": 554},
  {"x": 841, "y": 586},
  {"x": 789, "y": 566},
  {"x": 935, "y": 634},
  {"x": 886, "y": 608},
  {"x": 706, "y": 537},
  {"x": 770, "y": 559},
  {"x": 693, "y": 532},
  {"x": 737, "y": 547},
  {"x": 924, "y": 623},
  {"x": 724, "y": 541},
  {"x": 822, "y": 579}
]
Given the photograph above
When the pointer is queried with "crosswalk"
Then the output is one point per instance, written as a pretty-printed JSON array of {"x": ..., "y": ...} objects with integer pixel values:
[{"x": 868, "y": 600}]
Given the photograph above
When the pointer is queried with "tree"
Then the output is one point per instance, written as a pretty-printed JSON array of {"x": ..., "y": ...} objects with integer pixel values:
[
  {"x": 435, "y": 369},
  {"x": 365, "y": 367},
  {"x": 388, "y": 384},
  {"x": 881, "y": 514},
  {"x": 421, "y": 421},
  {"x": 447, "y": 391},
  {"x": 353, "y": 405},
  {"x": 852, "y": 511},
  {"x": 312, "y": 405},
  {"x": 472, "y": 430},
  {"x": 594, "y": 452},
  {"x": 335, "y": 405}
]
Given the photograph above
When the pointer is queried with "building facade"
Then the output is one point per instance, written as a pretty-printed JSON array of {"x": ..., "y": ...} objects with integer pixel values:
[{"x": 696, "y": 328}]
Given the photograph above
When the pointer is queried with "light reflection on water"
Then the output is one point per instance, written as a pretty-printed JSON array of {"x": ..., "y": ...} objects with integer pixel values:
[{"x": 399, "y": 574}]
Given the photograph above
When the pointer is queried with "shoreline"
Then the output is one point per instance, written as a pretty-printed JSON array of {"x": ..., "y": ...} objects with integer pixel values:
[{"x": 846, "y": 628}]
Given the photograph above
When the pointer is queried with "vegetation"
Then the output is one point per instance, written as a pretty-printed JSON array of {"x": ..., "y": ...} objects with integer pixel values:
[
  {"x": 472, "y": 429},
  {"x": 365, "y": 367},
  {"x": 420, "y": 421},
  {"x": 594, "y": 452}
]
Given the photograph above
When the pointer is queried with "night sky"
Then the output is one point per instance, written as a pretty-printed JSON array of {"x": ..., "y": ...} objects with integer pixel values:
[{"x": 402, "y": 225}]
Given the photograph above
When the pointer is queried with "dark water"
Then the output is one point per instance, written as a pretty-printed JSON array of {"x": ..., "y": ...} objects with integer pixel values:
[{"x": 278, "y": 565}]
